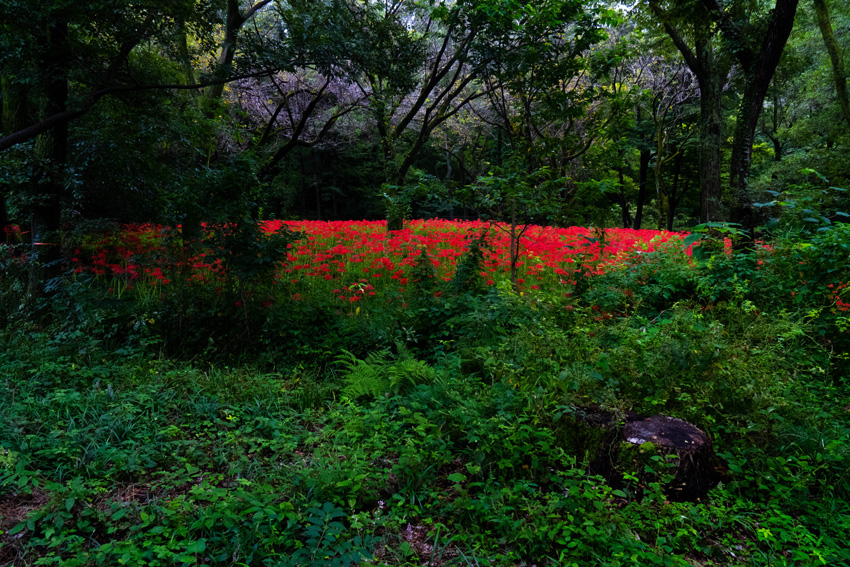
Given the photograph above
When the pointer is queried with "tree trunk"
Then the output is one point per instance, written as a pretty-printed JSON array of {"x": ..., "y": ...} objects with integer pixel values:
[
  {"x": 759, "y": 69},
  {"x": 51, "y": 149},
  {"x": 183, "y": 57},
  {"x": 711, "y": 130},
  {"x": 839, "y": 72},
  {"x": 395, "y": 220},
  {"x": 514, "y": 245},
  {"x": 232, "y": 24},
  {"x": 777, "y": 147},
  {"x": 662, "y": 198},
  {"x": 774, "y": 134},
  {"x": 624, "y": 205},
  {"x": 704, "y": 64},
  {"x": 643, "y": 174},
  {"x": 14, "y": 98},
  {"x": 741, "y": 160},
  {"x": 318, "y": 201},
  {"x": 674, "y": 189}
]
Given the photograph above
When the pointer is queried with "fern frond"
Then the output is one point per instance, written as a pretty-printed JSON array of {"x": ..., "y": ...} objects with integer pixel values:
[
  {"x": 408, "y": 372},
  {"x": 365, "y": 377},
  {"x": 379, "y": 374}
]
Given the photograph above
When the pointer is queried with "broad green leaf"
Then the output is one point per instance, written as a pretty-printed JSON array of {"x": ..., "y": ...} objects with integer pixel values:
[
  {"x": 197, "y": 546},
  {"x": 691, "y": 238}
]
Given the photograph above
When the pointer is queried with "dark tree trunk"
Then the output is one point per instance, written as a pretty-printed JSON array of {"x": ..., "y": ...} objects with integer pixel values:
[
  {"x": 741, "y": 160},
  {"x": 674, "y": 189},
  {"x": 773, "y": 134},
  {"x": 184, "y": 58},
  {"x": 839, "y": 72},
  {"x": 318, "y": 202},
  {"x": 777, "y": 147},
  {"x": 51, "y": 149},
  {"x": 232, "y": 24},
  {"x": 394, "y": 179},
  {"x": 624, "y": 205},
  {"x": 710, "y": 75},
  {"x": 711, "y": 130},
  {"x": 662, "y": 197},
  {"x": 13, "y": 118},
  {"x": 334, "y": 203},
  {"x": 234, "y": 20},
  {"x": 448, "y": 183},
  {"x": 759, "y": 68},
  {"x": 4, "y": 216},
  {"x": 643, "y": 175}
]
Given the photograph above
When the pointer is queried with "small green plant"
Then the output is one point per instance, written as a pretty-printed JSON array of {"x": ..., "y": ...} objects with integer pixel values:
[{"x": 381, "y": 373}]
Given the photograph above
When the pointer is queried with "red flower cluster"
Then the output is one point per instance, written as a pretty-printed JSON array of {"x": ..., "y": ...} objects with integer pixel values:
[
  {"x": 333, "y": 248},
  {"x": 358, "y": 259},
  {"x": 835, "y": 292}
]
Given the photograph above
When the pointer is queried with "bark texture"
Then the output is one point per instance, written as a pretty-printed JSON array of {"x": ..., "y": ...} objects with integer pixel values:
[
  {"x": 759, "y": 68},
  {"x": 643, "y": 175},
  {"x": 51, "y": 149},
  {"x": 839, "y": 72},
  {"x": 710, "y": 73}
]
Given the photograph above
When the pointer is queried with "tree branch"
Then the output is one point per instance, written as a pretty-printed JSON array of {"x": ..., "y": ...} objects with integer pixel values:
[
  {"x": 253, "y": 9},
  {"x": 680, "y": 44},
  {"x": 732, "y": 32},
  {"x": 59, "y": 118}
]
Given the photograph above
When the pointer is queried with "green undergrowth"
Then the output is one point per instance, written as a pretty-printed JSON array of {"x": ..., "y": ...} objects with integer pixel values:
[{"x": 440, "y": 435}]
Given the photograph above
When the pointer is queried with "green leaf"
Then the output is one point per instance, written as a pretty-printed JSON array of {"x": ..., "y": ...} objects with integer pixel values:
[
  {"x": 457, "y": 477},
  {"x": 691, "y": 238},
  {"x": 197, "y": 546}
]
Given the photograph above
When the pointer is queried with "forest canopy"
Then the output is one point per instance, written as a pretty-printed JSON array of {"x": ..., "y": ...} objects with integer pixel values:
[{"x": 662, "y": 115}]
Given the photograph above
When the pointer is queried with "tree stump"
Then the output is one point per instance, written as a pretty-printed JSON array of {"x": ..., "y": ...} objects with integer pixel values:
[
  {"x": 683, "y": 450},
  {"x": 657, "y": 449}
]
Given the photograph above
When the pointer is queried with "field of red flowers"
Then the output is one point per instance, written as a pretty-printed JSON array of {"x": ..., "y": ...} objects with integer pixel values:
[{"x": 356, "y": 259}]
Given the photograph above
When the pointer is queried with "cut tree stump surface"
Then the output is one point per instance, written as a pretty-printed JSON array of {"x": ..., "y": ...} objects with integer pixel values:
[
  {"x": 693, "y": 464},
  {"x": 669, "y": 432}
]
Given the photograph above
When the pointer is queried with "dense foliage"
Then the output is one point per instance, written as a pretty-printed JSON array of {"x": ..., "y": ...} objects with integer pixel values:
[
  {"x": 395, "y": 397},
  {"x": 205, "y": 361}
]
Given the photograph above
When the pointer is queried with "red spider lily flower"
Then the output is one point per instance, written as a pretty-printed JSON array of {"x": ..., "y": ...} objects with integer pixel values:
[{"x": 545, "y": 255}]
